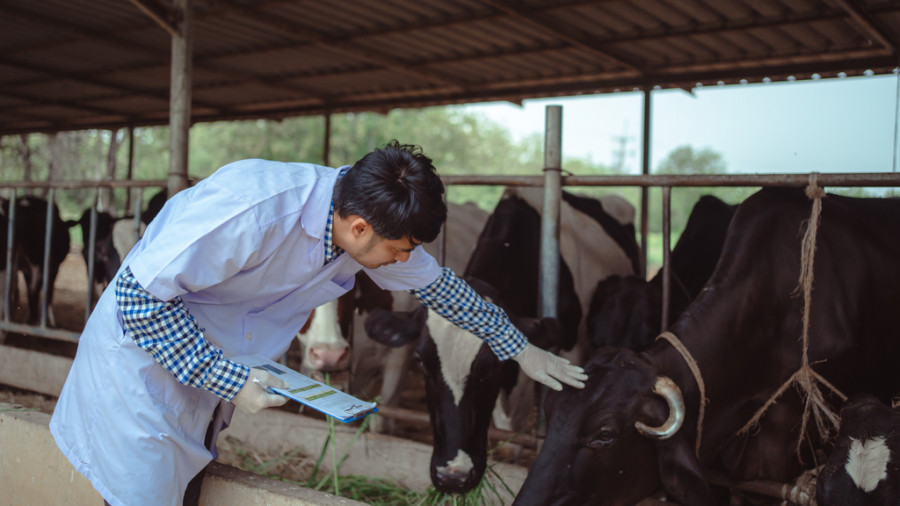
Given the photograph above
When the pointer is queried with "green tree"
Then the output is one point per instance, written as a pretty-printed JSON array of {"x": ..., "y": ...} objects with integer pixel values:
[{"x": 688, "y": 161}]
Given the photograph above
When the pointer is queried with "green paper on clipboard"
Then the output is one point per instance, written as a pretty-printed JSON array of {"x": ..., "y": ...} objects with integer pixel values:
[{"x": 307, "y": 391}]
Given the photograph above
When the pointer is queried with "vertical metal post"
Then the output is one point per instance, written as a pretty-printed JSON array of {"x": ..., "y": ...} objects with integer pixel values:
[
  {"x": 645, "y": 191},
  {"x": 48, "y": 235},
  {"x": 180, "y": 98},
  {"x": 138, "y": 205},
  {"x": 442, "y": 236},
  {"x": 667, "y": 275},
  {"x": 11, "y": 274},
  {"x": 92, "y": 248},
  {"x": 549, "y": 276},
  {"x": 549, "y": 281},
  {"x": 130, "y": 176},
  {"x": 326, "y": 147}
]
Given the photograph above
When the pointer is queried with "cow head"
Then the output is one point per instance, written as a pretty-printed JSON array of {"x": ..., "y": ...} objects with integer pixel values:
[
  {"x": 862, "y": 467},
  {"x": 624, "y": 312},
  {"x": 463, "y": 380},
  {"x": 616, "y": 441}
]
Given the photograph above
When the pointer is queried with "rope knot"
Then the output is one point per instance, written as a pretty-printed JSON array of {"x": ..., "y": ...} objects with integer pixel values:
[{"x": 813, "y": 190}]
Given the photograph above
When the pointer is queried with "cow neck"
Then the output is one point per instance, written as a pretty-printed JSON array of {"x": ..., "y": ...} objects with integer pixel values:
[{"x": 698, "y": 378}]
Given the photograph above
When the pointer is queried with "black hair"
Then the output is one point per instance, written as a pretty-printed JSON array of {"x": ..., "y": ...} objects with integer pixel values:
[{"x": 397, "y": 190}]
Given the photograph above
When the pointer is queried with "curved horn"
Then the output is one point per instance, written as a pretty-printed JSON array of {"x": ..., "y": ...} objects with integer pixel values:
[{"x": 668, "y": 390}]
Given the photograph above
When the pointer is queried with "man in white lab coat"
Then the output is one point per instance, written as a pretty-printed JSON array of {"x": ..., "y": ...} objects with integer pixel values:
[{"x": 233, "y": 266}]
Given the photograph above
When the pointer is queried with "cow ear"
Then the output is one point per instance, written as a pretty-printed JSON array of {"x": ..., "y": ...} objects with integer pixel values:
[
  {"x": 681, "y": 473},
  {"x": 393, "y": 329}
]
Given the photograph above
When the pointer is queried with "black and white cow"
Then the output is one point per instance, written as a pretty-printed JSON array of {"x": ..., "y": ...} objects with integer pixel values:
[
  {"x": 626, "y": 311},
  {"x": 634, "y": 427},
  {"x": 863, "y": 469},
  {"x": 465, "y": 382}
]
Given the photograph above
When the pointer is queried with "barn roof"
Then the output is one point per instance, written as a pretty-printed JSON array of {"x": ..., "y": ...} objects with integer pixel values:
[{"x": 75, "y": 64}]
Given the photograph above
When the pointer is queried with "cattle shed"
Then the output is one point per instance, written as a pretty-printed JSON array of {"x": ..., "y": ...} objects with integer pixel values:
[{"x": 108, "y": 64}]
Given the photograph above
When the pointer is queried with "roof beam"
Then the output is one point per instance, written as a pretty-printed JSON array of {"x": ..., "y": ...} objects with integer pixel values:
[
  {"x": 159, "y": 14},
  {"x": 157, "y": 57},
  {"x": 867, "y": 23},
  {"x": 344, "y": 45},
  {"x": 541, "y": 22}
]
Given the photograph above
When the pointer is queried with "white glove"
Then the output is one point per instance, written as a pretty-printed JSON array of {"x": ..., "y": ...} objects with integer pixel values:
[
  {"x": 547, "y": 368},
  {"x": 255, "y": 396}
]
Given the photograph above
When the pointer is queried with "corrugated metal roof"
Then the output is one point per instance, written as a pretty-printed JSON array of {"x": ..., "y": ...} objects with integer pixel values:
[{"x": 73, "y": 64}]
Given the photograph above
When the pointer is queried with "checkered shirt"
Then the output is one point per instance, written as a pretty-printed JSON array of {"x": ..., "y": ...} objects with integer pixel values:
[
  {"x": 331, "y": 250},
  {"x": 453, "y": 298},
  {"x": 168, "y": 332}
]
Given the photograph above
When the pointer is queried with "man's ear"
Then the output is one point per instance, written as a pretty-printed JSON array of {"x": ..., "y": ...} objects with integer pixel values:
[{"x": 358, "y": 226}]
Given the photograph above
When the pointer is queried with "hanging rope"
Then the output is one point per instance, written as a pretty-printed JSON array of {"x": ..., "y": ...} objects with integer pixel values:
[
  {"x": 806, "y": 377},
  {"x": 695, "y": 369}
]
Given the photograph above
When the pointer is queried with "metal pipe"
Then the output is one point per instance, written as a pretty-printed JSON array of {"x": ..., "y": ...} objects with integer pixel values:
[
  {"x": 645, "y": 170},
  {"x": 326, "y": 142},
  {"x": 549, "y": 274},
  {"x": 92, "y": 248},
  {"x": 45, "y": 281},
  {"x": 85, "y": 184},
  {"x": 10, "y": 274},
  {"x": 423, "y": 420},
  {"x": 667, "y": 268},
  {"x": 682, "y": 180},
  {"x": 873, "y": 179},
  {"x": 49, "y": 333}
]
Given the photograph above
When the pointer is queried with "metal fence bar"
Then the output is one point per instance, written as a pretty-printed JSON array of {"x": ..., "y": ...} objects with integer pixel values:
[
  {"x": 877, "y": 179},
  {"x": 10, "y": 270},
  {"x": 45, "y": 279}
]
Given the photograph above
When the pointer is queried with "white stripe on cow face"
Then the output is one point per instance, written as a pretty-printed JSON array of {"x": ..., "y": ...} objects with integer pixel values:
[
  {"x": 867, "y": 462},
  {"x": 456, "y": 350},
  {"x": 460, "y": 464}
]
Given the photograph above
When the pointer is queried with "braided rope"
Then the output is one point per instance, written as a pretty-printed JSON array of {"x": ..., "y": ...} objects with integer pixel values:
[
  {"x": 695, "y": 370},
  {"x": 805, "y": 376}
]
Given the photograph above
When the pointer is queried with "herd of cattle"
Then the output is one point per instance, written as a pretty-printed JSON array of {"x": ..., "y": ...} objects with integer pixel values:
[{"x": 655, "y": 418}]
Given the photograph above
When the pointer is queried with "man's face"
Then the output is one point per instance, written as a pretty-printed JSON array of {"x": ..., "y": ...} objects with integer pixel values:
[{"x": 376, "y": 251}]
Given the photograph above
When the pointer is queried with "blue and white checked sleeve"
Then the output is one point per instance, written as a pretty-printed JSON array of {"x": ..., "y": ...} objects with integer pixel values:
[
  {"x": 172, "y": 336},
  {"x": 455, "y": 300}
]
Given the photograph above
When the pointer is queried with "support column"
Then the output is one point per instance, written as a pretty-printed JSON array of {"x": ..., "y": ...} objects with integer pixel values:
[
  {"x": 180, "y": 98},
  {"x": 645, "y": 170},
  {"x": 550, "y": 216}
]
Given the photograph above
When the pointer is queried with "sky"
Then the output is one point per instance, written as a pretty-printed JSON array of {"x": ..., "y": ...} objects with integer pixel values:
[{"x": 826, "y": 125}]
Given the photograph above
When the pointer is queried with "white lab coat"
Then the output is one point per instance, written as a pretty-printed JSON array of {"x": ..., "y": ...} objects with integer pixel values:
[{"x": 244, "y": 249}]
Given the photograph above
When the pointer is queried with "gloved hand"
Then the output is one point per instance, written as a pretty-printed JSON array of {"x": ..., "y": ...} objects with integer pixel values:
[
  {"x": 547, "y": 368},
  {"x": 255, "y": 396}
]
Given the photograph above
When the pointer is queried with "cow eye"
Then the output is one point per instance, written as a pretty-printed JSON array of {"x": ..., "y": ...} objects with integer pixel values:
[
  {"x": 419, "y": 363},
  {"x": 605, "y": 437}
]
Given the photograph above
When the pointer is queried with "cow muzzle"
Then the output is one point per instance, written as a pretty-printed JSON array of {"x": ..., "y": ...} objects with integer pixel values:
[{"x": 668, "y": 390}]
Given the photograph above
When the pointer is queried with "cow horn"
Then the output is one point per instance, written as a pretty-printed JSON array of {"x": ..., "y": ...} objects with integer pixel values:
[{"x": 667, "y": 389}]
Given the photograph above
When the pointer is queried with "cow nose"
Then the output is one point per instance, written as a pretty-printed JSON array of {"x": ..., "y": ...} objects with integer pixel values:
[
  {"x": 454, "y": 480},
  {"x": 327, "y": 357}
]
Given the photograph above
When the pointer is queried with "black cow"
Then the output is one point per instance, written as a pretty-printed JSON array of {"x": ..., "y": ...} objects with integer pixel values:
[
  {"x": 621, "y": 438},
  {"x": 106, "y": 258},
  {"x": 863, "y": 469},
  {"x": 28, "y": 252},
  {"x": 157, "y": 201},
  {"x": 625, "y": 311},
  {"x": 462, "y": 377}
]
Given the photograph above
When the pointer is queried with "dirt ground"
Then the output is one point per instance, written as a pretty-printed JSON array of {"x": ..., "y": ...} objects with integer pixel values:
[{"x": 69, "y": 310}]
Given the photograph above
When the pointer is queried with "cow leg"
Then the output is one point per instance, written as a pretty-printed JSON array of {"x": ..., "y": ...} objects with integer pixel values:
[
  {"x": 33, "y": 279},
  {"x": 396, "y": 366}
]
